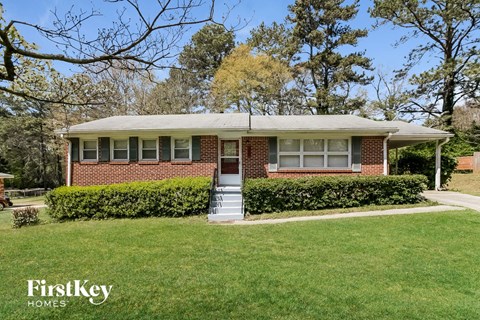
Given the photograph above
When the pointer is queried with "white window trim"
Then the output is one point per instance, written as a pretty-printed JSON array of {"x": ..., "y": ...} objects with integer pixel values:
[
  {"x": 112, "y": 146},
  {"x": 325, "y": 153},
  {"x": 82, "y": 141},
  {"x": 141, "y": 150},
  {"x": 172, "y": 144}
]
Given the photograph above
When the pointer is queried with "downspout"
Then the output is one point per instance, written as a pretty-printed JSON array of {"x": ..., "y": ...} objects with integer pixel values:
[
  {"x": 438, "y": 164},
  {"x": 385, "y": 154}
]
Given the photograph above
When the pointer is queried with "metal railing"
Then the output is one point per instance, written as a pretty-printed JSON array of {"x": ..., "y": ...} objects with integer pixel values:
[
  {"x": 241, "y": 187},
  {"x": 213, "y": 187}
]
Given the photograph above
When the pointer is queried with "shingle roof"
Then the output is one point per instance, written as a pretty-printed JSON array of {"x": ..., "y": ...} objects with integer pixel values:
[
  {"x": 318, "y": 123},
  {"x": 406, "y": 129},
  {"x": 215, "y": 121}
]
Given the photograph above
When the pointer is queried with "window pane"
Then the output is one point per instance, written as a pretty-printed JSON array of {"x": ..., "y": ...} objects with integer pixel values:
[
  {"x": 90, "y": 155},
  {"x": 149, "y": 144},
  {"x": 313, "y": 161},
  {"x": 338, "y": 145},
  {"x": 120, "y": 154},
  {"x": 89, "y": 144},
  {"x": 182, "y": 154},
  {"x": 338, "y": 161},
  {"x": 290, "y": 161},
  {"x": 182, "y": 143},
  {"x": 120, "y": 144},
  {"x": 230, "y": 148},
  {"x": 313, "y": 145},
  {"x": 149, "y": 154},
  {"x": 290, "y": 145}
]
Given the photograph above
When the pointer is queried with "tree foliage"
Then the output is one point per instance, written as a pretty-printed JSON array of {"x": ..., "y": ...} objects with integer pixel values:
[
  {"x": 322, "y": 29},
  {"x": 449, "y": 30},
  {"x": 137, "y": 39},
  {"x": 250, "y": 83}
]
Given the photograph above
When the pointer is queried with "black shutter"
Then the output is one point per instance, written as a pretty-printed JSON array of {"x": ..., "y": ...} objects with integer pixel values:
[
  {"x": 356, "y": 154},
  {"x": 272, "y": 150},
  {"x": 133, "y": 146},
  {"x": 272, "y": 154},
  {"x": 196, "y": 142},
  {"x": 104, "y": 149},
  {"x": 75, "y": 142},
  {"x": 165, "y": 148}
]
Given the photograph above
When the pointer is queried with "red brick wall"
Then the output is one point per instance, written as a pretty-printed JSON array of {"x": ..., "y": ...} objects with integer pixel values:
[
  {"x": 255, "y": 156},
  {"x": 2, "y": 188},
  {"x": 254, "y": 159},
  {"x": 372, "y": 155},
  {"x": 97, "y": 173}
]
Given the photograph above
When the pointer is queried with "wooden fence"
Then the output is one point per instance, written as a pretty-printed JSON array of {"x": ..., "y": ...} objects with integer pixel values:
[{"x": 470, "y": 163}]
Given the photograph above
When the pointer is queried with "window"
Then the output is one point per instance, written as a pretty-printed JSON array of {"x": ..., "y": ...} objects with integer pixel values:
[
  {"x": 120, "y": 149},
  {"x": 149, "y": 149},
  {"x": 89, "y": 148},
  {"x": 181, "y": 149},
  {"x": 314, "y": 153}
]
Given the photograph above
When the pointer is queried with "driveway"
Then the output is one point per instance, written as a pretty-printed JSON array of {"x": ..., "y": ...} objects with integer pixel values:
[{"x": 454, "y": 198}]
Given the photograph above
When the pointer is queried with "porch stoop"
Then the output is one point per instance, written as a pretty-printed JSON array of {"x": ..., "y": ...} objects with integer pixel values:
[{"x": 227, "y": 204}]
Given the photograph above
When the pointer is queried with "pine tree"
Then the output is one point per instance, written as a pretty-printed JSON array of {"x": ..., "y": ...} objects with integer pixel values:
[{"x": 322, "y": 30}]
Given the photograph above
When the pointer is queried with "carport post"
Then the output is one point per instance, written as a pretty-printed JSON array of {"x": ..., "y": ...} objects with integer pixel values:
[{"x": 438, "y": 164}]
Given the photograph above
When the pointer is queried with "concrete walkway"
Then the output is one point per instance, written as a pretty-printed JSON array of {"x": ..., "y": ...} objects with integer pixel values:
[
  {"x": 454, "y": 198},
  {"x": 351, "y": 215}
]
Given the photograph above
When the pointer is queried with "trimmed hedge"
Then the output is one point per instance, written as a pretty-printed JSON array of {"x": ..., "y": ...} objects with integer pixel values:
[
  {"x": 27, "y": 216},
  {"x": 167, "y": 198},
  {"x": 314, "y": 193}
]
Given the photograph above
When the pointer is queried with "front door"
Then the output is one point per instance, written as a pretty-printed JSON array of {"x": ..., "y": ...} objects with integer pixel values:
[{"x": 229, "y": 162}]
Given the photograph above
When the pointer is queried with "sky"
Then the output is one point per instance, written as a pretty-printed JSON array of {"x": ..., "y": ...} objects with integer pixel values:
[{"x": 379, "y": 45}]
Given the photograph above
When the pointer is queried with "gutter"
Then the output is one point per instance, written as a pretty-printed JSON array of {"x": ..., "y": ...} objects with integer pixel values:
[{"x": 385, "y": 153}]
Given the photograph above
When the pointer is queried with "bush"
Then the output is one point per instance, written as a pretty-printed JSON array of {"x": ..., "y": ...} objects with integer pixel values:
[
  {"x": 314, "y": 193},
  {"x": 420, "y": 159},
  {"x": 167, "y": 198},
  {"x": 24, "y": 217}
]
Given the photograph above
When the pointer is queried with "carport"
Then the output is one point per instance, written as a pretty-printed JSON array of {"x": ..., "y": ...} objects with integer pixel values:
[{"x": 411, "y": 134}]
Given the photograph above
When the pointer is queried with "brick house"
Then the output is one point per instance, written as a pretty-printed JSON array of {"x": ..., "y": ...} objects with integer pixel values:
[
  {"x": 235, "y": 146},
  {"x": 137, "y": 148}
]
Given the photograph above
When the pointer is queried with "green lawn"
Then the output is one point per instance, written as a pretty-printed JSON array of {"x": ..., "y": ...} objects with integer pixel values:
[
  {"x": 424, "y": 266},
  {"x": 466, "y": 183}
]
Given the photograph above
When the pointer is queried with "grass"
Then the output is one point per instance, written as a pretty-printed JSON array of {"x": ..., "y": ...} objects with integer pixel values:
[
  {"x": 28, "y": 201},
  {"x": 304, "y": 213},
  {"x": 393, "y": 267},
  {"x": 466, "y": 183}
]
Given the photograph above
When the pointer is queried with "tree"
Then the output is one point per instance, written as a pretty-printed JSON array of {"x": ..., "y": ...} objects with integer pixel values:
[
  {"x": 249, "y": 83},
  {"x": 449, "y": 30},
  {"x": 138, "y": 38},
  {"x": 391, "y": 95},
  {"x": 322, "y": 30},
  {"x": 275, "y": 40},
  {"x": 171, "y": 96},
  {"x": 201, "y": 58}
]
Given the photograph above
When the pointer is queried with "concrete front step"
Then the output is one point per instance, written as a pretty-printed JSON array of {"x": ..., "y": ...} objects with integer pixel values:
[
  {"x": 227, "y": 203},
  {"x": 221, "y": 210},
  {"x": 225, "y": 217},
  {"x": 229, "y": 189},
  {"x": 227, "y": 197}
]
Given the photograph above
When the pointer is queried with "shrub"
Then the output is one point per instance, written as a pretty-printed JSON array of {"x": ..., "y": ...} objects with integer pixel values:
[
  {"x": 167, "y": 198},
  {"x": 420, "y": 159},
  {"x": 314, "y": 193},
  {"x": 24, "y": 217}
]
